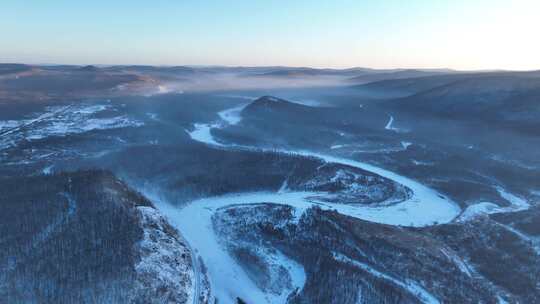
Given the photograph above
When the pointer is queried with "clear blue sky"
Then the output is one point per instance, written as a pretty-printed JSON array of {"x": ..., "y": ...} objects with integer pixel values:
[{"x": 461, "y": 34}]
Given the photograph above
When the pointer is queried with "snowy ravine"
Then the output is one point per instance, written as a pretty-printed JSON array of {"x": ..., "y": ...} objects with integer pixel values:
[{"x": 228, "y": 280}]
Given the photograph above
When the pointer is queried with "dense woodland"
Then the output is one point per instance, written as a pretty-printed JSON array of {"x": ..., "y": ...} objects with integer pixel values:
[
  {"x": 68, "y": 238},
  {"x": 426, "y": 256},
  {"x": 71, "y": 230}
]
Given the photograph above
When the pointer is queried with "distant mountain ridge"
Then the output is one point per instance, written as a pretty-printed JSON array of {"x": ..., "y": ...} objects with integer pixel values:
[{"x": 506, "y": 99}]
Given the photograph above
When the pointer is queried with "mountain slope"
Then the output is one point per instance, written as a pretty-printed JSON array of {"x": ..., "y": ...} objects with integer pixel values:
[
  {"x": 506, "y": 101},
  {"x": 85, "y": 237},
  {"x": 366, "y": 262}
]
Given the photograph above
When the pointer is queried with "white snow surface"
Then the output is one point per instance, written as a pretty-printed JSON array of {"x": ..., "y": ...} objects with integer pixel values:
[
  {"x": 405, "y": 144},
  {"x": 159, "y": 266},
  {"x": 232, "y": 116},
  {"x": 276, "y": 285},
  {"x": 296, "y": 271},
  {"x": 484, "y": 208},
  {"x": 533, "y": 241},
  {"x": 421, "y": 163},
  {"x": 47, "y": 170},
  {"x": 389, "y": 123},
  {"x": 62, "y": 128},
  {"x": 61, "y": 121},
  {"x": 228, "y": 280},
  {"x": 414, "y": 288},
  {"x": 424, "y": 207},
  {"x": 202, "y": 133},
  {"x": 297, "y": 275},
  {"x": 500, "y": 300},
  {"x": 459, "y": 262},
  {"x": 8, "y": 124},
  {"x": 390, "y": 126},
  {"x": 478, "y": 209}
]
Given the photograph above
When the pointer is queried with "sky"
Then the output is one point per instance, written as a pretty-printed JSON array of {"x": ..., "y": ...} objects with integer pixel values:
[{"x": 458, "y": 34}]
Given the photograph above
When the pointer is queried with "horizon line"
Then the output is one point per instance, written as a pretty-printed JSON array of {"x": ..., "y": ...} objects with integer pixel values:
[{"x": 273, "y": 66}]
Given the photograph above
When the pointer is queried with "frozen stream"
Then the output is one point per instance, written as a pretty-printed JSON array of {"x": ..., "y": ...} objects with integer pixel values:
[
  {"x": 425, "y": 207},
  {"x": 227, "y": 279}
]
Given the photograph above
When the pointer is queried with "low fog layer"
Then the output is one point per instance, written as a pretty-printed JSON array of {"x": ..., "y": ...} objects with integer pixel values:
[{"x": 268, "y": 185}]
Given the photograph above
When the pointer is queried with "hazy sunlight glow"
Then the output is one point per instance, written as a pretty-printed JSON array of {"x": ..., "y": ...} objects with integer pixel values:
[{"x": 480, "y": 34}]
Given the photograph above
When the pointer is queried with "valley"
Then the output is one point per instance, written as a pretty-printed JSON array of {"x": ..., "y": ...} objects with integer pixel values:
[{"x": 326, "y": 191}]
